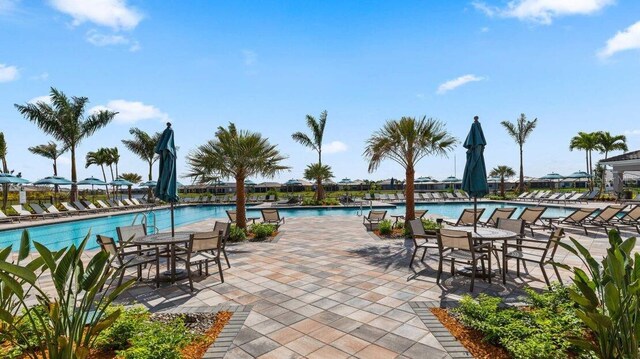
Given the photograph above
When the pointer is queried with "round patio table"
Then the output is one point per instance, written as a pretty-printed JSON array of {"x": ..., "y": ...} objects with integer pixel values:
[
  {"x": 397, "y": 218},
  {"x": 492, "y": 234},
  {"x": 165, "y": 239}
]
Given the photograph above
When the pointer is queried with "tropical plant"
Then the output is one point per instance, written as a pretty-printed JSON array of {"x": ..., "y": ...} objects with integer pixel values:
[
  {"x": 607, "y": 143},
  {"x": 5, "y": 169},
  {"x": 607, "y": 297},
  {"x": 502, "y": 172},
  {"x": 99, "y": 158},
  {"x": 385, "y": 227},
  {"x": 143, "y": 145},
  {"x": 65, "y": 121},
  {"x": 406, "y": 142},
  {"x": 50, "y": 151},
  {"x": 113, "y": 158},
  {"x": 315, "y": 143},
  {"x": 239, "y": 154},
  {"x": 133, "y": 178},
  {"x": 586, "y": 142},
  {"x": 317, "y": 171},
  {"x": 520, "y": 131},
  {"x": 75, "y": 306}
]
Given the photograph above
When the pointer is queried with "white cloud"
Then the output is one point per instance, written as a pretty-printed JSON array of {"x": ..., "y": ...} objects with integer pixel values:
[
  {"x": 98, "y": 39},
  {"x": 457, "y": 82},
  {"x": 629, "y": 39},
  {"x": 250, "y": 57},
  {"x": 7, "y": 6},
  {"x": 543, "y": 11},
  {"x": 632, "y": 132},
  {"x": 8, "y": 73},
  {"x": 484, "y": 29},
  {"x": 132, "y": 111},
  {"x": 42, "y": 77},
  {"x": 46, "y": 99},
  {"x": 334, "y": 147},
  {"x": 115, "y": 14}
]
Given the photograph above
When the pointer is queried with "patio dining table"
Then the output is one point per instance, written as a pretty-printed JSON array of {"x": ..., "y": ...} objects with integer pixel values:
[
  {"x": 491, "y": 235},
  {"x": 165, "y": 239}
]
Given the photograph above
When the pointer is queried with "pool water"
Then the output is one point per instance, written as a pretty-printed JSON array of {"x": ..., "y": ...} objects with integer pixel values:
[{"x": 59, "y": 235}]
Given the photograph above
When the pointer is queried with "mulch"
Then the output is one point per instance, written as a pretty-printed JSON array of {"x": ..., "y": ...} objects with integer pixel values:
[{"x": 197, "y": 348}]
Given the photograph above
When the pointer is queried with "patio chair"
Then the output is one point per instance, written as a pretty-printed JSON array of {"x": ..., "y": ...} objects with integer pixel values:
[
  {"x": 437, "y": 196},
  {"x": 522, "y": 196},
  {"x": 605, "y": 219},
  {"x": 71, "y": 209},
  {"x": 531, "y": 217},
  {"x": 426, "y": 196},
  {"x": 225, "y": 227},
  {"x": 374, "y": 217},
  {"x": 203, "y": 248},
  {"x": 272, "y": 216},
  {"x": 592, "y": 195},
  {"x": 123, "y": 260},
  {"x": 115, "y": 205},
  {"x": 105, "y": 206},
  {"x": 458, "y": 246},
  {"x": 7, "y": 219},
  {"x": 462, "y": 195},
  {"x": 575, "y": 198},
  {"x": 576, "y": 219},
  {"x": 530, "y": 250},
  {"x": 53, "y": 209},
  {"x": 420, "y": 213},
  {"x": 23, "y": 213},
  {"x": 231, "y": 213},
  {"x": 630, "y": 219},
  {"x": 467, "y": 218},
  {"x": 39, "y": 211},
  {"x": 449, "y": 196},
  {"x": 513, "y": 225},
  {"x": 400, "y": 197},
  {"x": 93, "y": 207},
  {"x": 498, "y": 213},
  {"x": 416, "y": 228},
  {"x": 82, "y": 207}
]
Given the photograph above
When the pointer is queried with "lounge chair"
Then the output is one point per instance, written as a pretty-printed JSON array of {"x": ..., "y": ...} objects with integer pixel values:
[
  {"x": 467, "y": 217},
  {"x": 114, "y": 204},
  {"x": 400, "y": 197},
  {"x": 71, "y": 209},
  {"x": 89, "y": 205},
  {"x": 577, "y": 197},
  {"x": 374, "y": 217},
  {"x": 531, "y": 196},
  {"x": 377, "y": 196},
  {"x": 531, "y": 217},
  {"x": 105, "y": 206},
  {"x": 630, "y": 219},
  {"x": 450, "y": 196},
  {"x": 462, "y": 195},
  {"x": 529, "y": 250},
  {"x": 417, "y": 196},
  {"x": 636, "y": 199},
  {"x": 272, "y": 216},
  {"x": 124, "y": 260},
  {"x": 7, "y": 219},
  {"x": 199, "y": 252},
  {"x": 592, "y": 195},
  {"x": 420, "y": 239},
  {"x": 522, "y": 196},
  {"x": 420, "y": 213},
  {"x": 232, "y": 216},
  {"x": 23, "y": 213},
  {"x": 605, "y": 219},
  {"x": 576, "y": 219},
  {"x": 458, "y": 246},
  {"x": 498, "y": 213},
  {"x": 42, "y": 212},
  {"x": 437, "y": 196},
  {"x": 82, "y": 207},
  {"x": 53, "y": 209},
  {"x": 552, "y": 197}
]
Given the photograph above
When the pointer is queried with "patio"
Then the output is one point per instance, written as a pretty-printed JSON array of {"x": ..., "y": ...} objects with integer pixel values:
[{"x": 333, "y": 291}]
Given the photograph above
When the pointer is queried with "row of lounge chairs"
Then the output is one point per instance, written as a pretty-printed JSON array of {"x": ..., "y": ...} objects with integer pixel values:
[
  {"x": 229, "y": 199},
  {"x": 551, "y": 197},
  {"x": 610, "y": 217},
  {"x": 48, "y": 210}
]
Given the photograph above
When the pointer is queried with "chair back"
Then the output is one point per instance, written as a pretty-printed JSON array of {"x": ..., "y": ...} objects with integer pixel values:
[
  {"x": 232, "y": 215},
  {"x": 450, "y": 238},
  {"x": 37, "y": 209},
  {"x": 2, "y": 215},
  {"x": 376, "y": 215},
  {"x": 552, "y": 244},
  {"x": 79, "y": 205},
  {"x": 633, "y": 215},
  {"x": 109, "y": 245},
  {"x": 128, "y": 233},
  {"x": 20, "y": 210},
  {"x": 532, "y": 214},
  {"x": 205, "y": 241},
  {"x": 580, "y": 215},
  {"x": 420, "y": 213},
  {"x": 499, "y": 213},
  {"x": 608, "y": 213},
  {"x": 225, "y": 228},
  {"x": 416, "y": 228},
  {"x": 467, "y": 217},
  {"x": 270, "y": 215},
  {"x": 51, "y": 208},
  {"x": 512, "y": 225},
  {"x": 68, "y": 207}
]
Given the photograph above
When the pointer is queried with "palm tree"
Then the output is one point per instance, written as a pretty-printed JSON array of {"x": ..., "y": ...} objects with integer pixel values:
[
  {"x": 50, "y": 151},
  {"x": 99, "y": 158},
  {"x": 607, "y": 143},
  {"x": 406, "y": 142},
  {"x": 143, "y": 145},
  {"x": 315, "y": 143},
  {"x": 5, "y": 169},
  {"x": 502, "y": 171},
  {"x": 318, "y": 172},
  {"x": 239, "y": 154},
  {"x": 586, "y": 142},
  {"x": 520, "y": 130},
  {"x": 64, "y": 119},
  {"x": 113, "y": 157},
  {"x": 133, "y": 178}
]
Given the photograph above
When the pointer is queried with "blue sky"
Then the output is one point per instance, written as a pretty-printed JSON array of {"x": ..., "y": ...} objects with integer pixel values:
[{"x": 264, "y": 65}]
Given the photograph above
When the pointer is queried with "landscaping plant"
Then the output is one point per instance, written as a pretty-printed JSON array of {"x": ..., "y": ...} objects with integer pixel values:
[
  {"x": 385, "y": 227},
  {"x": 262, "y": 230}
]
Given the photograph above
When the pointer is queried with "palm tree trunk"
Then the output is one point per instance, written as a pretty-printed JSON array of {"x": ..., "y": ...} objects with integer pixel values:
[
  {"x": 410, "y": 213},
  {"x": 150, "y": 179},
  {"x": 129, "y": 191},
  {"x": 55, "y": 173},
  {"x": 104, "y": 175},
  {"x": 241, "y": 217},
  {"x": 320, "y": 189},
  {"x": 74, "y": 177},
  {"x": 5, "y": 187},
  {"x": 521, "y": 184},
  {"x": 502, "y": 186}
]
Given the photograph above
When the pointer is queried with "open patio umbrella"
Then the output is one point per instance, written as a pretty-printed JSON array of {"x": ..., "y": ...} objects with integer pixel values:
[
  {"x": 148, "y": 184},
  {"x": 167, "y": 188},
  {"x": 8, "y": 178},
  {"x": 92, "y": 181},
  {"x": 55, "y": 181},
  {"x": 552, "y": 177},
  {"x": 119, "y": 182},
  {"x": 474, "y": 179}
]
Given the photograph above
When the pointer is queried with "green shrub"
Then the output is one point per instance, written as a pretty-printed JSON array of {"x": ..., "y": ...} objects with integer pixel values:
[
  {"x": 385, "y": 227},
  {"x": 158, "y": 340},
  {"x": 131, "y": 322},
  {"x": 430, "y": 224},
  {"x": 261, "y": 230},
  {"x": 273, "y": 195},
  {"x": 237, "y": 234},
  {"x": 330, "y": 202}
]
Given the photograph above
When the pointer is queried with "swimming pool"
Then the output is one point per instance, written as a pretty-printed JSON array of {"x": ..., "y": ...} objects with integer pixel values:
[{"x": 59, "y": 235}]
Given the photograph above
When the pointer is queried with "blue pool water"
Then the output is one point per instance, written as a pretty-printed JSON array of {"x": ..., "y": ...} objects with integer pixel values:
[{"x": 60, "y": 235}]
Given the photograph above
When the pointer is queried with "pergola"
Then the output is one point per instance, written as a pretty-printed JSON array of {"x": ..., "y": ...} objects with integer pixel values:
[{"x": 629, "y": 161}]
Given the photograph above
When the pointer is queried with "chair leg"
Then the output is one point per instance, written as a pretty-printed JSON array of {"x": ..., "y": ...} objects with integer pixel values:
[
  {"x": 484, "y": 270},
  {"x": 489, "y": 265},
  {"x": 452, "y": 267},
  {"x": 495, "y": 254},
  {"x": 473, "y": 276},
  {"x": 439, "y": 270},
  {"x": 423, "y": 254},
  {"x": 544, "y": 273},
  {"x": 555, "y": 268},
  {"x": 413, "y": 257},
  {"x": 224, "y": 252},
  {"x": 188, "y": 265},
  {"x": 140, "y": 272},
  {"x": 220, "y": 270},
  {"x": 121, "y": 276},
  {"x": 518, "y": 267}
]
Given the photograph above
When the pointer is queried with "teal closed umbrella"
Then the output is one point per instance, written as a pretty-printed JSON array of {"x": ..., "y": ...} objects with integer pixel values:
[
  {"x": 166, "y": 188},
  {"x": 474, "y": 179}
]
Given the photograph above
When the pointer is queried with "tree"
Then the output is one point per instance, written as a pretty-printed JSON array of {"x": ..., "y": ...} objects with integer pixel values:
[
  {"x": 5, "y": 169},
  {"x": 315, "y": 143},
  {"x": 239, "y": 154},
  {"x": 520, "y": 131},
  {"x": 316, "y": 171},
  {"x": 52, "y": 152},
  {"x": 113, "y": 158},
  {"x": 586, "y": 142},
  {"x": 65, "y": 121},
  {"x": 133, "y": 178},
  {"x": 99, "y": 158},
  {"x": 406, "y": 142},
  {"x": 608, "y": 143},
  {"x": 502, "y": 172},
  {"x": 143, "y": 145}
]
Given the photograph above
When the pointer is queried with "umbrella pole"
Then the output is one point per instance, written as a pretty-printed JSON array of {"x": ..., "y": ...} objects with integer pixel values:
[
  {"x": 475, "y": 210},
  {"x": 173, "y": 231}
]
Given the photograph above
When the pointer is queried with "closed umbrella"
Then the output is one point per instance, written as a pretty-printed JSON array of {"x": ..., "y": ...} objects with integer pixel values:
[
  {"x": 92, "y": 181},
  {"x": 167, "y": 188},
  {"x": 474, "y": 179}
]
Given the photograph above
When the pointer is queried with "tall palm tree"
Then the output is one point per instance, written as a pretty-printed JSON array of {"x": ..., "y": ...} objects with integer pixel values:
[
  {"x": 65, "y": 121},
  {"x": 239, "y": 154},
  {"x": 520, "y": 131},
  {"x": 317, "y": 171},
  {"x": 586, "y": 141},
  {"x": 133, "y": 178},
  {"x": 113, "y": 158},
  {"x": 502, "y": 171},
  {"x": 608, "y": 143},
  {"x": 406, "y": 142},
  {"x": 5, "y": 169},
  {"x": 143, "y": 145},
  {"x": 315, "y": 143},
  {"x": 99, "y": 158},
  {"x": 52, "y": 152}
]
